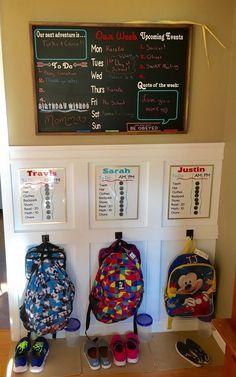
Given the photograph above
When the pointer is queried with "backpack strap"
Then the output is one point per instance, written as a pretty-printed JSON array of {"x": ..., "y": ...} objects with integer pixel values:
[
  {"x": 169, "y": 323},
  {"x": 88, "y": 319},
  {"x": 116, "y": 244},
  {"x": 88, "y": 323},
  {"x": 47, "y": 247},
  {"x": 135, "y": 328},
  {"x": 46, "y": 250},
  {"x": 189, "y": 246}
]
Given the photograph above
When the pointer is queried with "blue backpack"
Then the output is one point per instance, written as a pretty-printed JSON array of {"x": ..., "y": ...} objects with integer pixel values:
[
  {"x": 191, "y": 283},
  {"x": 46, "y": 249},
  {"x": 49, "y": 295}
]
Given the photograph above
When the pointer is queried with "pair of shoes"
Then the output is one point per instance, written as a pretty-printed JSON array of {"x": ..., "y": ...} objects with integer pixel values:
[
  {"x": 37, "y": 357},
  {"x": 127, "y": 350},
  {"x": 97, "y": 354},
  {"x": 192, "y": 352}
]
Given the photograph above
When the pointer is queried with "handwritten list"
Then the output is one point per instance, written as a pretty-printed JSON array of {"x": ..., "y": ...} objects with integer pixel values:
[{"x": 93, "y": 79}]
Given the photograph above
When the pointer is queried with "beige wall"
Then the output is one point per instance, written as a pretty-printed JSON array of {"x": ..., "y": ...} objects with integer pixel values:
[
  {"x": 208, "y": 86},
  {"x": 226, "y": 244},
  {"x": 212, "y": 94}
]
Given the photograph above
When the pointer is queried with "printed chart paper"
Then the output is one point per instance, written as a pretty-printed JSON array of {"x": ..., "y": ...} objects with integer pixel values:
[
  {"x": 190, "y": 189},
  {"x": 43, "y": 195},
  {"x": 117, "y": 192}
]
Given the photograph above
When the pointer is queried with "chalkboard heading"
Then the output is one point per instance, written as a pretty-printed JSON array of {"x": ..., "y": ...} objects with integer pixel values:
[{"x": 92, "y": 79}]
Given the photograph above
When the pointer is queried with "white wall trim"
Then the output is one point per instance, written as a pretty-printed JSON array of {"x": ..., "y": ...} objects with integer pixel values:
[
  {"x": 158, "y": 238},
  {"x": 189, "y": 151}
]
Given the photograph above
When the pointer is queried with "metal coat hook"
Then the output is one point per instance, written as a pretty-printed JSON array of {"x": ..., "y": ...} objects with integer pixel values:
[
  {"x": 45, "y": 238},
  {"x": 118, "y": 235},
  {"x": 189, "y": 233}
]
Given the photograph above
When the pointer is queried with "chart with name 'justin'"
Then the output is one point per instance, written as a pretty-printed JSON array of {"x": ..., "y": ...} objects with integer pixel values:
[
  {"x": 43, "y": 195},
  {"x": 117, "y": 190},
  {"x": 190, "y": 188}
]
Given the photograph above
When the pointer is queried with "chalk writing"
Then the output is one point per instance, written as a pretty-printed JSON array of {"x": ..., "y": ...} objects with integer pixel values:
[{"x": 113, "y": 78}]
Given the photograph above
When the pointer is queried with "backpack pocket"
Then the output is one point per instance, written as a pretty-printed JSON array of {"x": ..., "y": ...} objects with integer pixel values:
[
  {"x": 190, "y": 290},
  {"x": 48, "y": 299}
]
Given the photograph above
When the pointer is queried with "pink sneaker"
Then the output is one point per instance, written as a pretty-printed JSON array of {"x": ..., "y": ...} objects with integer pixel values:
[
  {"x": 118, "y": 350},
  {"x": 132, "y": 348}
]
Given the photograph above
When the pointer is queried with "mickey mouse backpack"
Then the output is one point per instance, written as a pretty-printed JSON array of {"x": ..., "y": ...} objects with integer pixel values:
[
  {"x": 191, "y": 283},
  {"x": 118, "y": 287}
]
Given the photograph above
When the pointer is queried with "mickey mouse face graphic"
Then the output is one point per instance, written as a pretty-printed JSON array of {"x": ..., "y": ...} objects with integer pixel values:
[{"x": 189, "y": 283}]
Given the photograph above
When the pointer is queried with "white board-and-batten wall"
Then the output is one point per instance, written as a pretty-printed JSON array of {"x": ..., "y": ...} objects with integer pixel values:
[{"x": 158, "y": 234}]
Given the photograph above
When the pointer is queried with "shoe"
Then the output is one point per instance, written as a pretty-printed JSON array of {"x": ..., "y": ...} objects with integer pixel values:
[
  {"x": 21, "y": 355},
  {"x": 39, "y": 354},
  {"x": 104, "y": 353},
  {"x": 118, "y": 350},
  {"x": 132, "y": 348},
  {"x": 184, "y": 351},
  {"x": 91, "y": 354},
  {"x": 195, "y": 348}
]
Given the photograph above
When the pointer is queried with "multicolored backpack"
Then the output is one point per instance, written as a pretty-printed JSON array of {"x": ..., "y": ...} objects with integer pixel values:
[
  {"x": 49, "y": 296},
  {"x": 118, "y": 287},
  {"x": 191, "y": 283}
]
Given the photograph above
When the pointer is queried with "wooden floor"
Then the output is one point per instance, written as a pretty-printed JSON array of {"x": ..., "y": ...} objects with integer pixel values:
[
  {"x": 4, "y": 310},
  {"x": 206, "y": 371},
  {"x": 5, "y": 343}
]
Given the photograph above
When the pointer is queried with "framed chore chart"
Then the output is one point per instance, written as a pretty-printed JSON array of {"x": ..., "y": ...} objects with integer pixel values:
[
  {"x": 43, "y": 195},
  {"x": 117, "y": 190},
  {"x": 190, "y": 189},
  {"x": 111, "y": 78}
]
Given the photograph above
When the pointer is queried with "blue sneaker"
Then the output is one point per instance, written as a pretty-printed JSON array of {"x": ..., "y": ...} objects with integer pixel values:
[
  {"x": 39, "y": 354},
  {"x": 21, "y": 355}
]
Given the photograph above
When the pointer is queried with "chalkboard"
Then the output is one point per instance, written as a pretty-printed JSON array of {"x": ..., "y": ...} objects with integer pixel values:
[{"x": 123, "y": 78}]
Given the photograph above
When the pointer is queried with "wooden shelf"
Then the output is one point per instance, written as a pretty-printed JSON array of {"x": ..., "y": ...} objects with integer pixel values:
[{"x": 227, "y": 331}]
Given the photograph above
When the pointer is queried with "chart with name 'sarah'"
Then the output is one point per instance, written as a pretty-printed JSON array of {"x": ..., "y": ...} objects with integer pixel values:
[
  {"x": 190, "y": 188},
  {"x": 117, "y": 189}
]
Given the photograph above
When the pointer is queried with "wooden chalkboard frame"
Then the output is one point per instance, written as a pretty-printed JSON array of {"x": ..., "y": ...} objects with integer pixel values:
[{"x": 160, "y": 103}]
